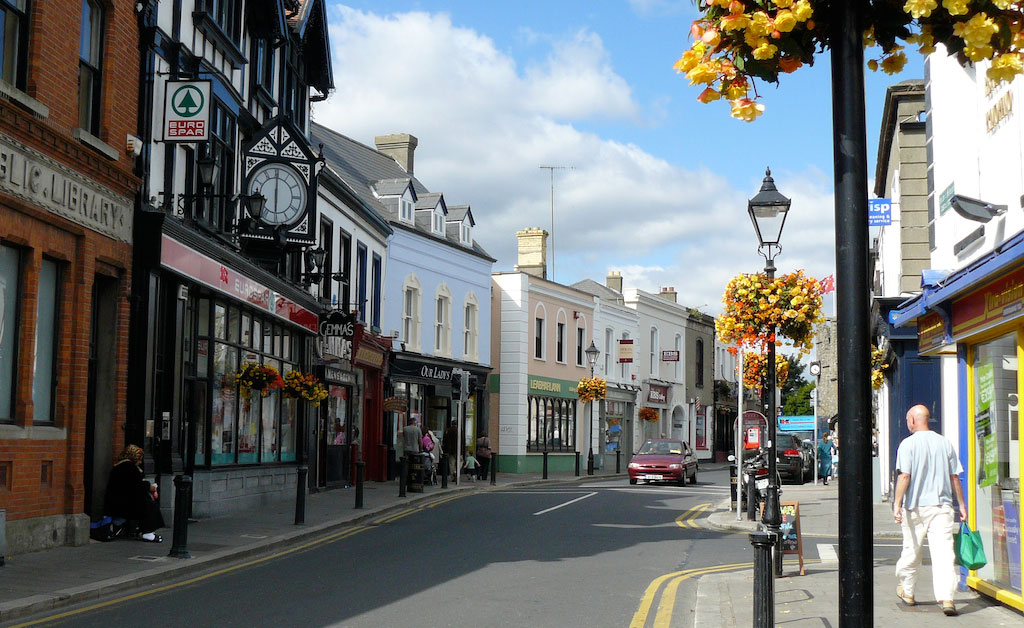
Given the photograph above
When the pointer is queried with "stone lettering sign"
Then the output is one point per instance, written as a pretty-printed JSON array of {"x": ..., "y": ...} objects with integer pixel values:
[{"x": 37, "y": 179}]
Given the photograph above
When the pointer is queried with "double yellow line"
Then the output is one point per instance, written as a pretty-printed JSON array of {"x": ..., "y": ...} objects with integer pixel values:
[
  {"x": 663, "y": 617},
  {"x": 689, "y": 518}
]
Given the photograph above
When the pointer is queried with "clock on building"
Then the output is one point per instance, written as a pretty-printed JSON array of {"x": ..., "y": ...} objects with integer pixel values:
[{"x": 284, "y": 190}]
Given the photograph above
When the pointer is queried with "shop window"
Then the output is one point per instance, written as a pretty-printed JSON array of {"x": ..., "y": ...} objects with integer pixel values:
[
  {"x": 10, "y": 296},
  {"x": 90, "y": 60},
  {"x": 47, "y": 320},
  {"x": 997, "y": 459},
  {"x": 14, "y": 43},
  {"x": 289, "y": 414},
  {"x": 551, "y": 424},
  {"x": 225, "y": 396},
  {"x": 220, "y": 321},
  {"x": 246, "y": 330},
  {"x": 234, "y": 318},
  {"x": 270, "y": 414}
]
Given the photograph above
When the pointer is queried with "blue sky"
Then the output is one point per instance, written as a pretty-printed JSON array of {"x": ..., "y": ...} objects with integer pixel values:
[{"x": 660, "y": 181}]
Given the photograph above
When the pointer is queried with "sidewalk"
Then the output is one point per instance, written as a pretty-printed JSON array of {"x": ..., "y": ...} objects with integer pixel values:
[
  {"x": 726, "y": 600},
  {"x": 60, "y": 577}
]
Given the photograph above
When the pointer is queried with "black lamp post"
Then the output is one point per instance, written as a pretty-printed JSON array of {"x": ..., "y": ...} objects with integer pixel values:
[
  {"x": 768, "y": 210},
  {"x": 592, "y": 353}
]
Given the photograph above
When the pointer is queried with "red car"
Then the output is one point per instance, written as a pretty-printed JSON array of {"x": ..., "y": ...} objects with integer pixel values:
[{"x": 663, "y": 460}]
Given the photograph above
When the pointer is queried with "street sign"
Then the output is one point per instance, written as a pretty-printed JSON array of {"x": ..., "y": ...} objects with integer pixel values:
[
  {"x": 879, "y": 212},
  {"x": 187, "y": 111},
  {"x": 796, "y": 423}
]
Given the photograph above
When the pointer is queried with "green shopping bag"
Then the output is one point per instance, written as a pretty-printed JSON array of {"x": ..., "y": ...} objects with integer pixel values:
[{"x": 968, "y": 548}]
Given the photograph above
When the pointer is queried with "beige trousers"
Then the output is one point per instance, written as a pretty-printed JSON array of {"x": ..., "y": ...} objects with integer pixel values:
[{"x": 936, "y": 524}]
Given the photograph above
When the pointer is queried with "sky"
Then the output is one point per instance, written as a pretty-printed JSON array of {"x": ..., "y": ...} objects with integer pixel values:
[{"x": 655, "y": 183}]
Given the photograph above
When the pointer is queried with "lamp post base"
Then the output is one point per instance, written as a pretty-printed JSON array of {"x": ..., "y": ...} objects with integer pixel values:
[{"x": 590, "y": 462}]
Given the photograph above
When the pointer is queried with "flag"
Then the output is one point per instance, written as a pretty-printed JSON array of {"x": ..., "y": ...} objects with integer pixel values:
[{"x": 828, "y": 284}]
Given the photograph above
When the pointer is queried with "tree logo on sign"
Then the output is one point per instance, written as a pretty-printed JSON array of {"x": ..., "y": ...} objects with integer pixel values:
[{"x": 187, "y": 101}]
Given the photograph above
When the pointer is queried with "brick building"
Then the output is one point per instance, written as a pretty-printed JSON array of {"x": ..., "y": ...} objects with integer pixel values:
[{"x": 68, "y": 87}]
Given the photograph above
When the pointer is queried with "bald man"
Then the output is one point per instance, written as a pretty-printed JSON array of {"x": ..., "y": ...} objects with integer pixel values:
[{"x": 923, "y": 506}]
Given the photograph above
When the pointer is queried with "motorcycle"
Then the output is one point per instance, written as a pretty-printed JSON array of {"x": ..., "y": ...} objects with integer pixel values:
[{"x": 754, "y": 474}]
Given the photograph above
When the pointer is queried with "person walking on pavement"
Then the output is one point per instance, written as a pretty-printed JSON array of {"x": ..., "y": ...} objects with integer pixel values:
[
  {"x": 824, "y": 458},
  {"x": 923, "y": 506},
  {"x": 483, "y": 453},
  {"x": 450, "y": 445}
]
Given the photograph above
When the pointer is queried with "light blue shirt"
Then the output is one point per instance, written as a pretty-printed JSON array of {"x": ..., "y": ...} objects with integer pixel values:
[{"x": 929, "y": 459}]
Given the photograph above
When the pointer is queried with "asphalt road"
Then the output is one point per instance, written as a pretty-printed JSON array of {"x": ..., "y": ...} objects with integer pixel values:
[{"x": 560, "y": 555}]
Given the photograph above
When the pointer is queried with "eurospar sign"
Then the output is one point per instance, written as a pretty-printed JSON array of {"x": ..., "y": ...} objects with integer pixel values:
[{"x": 187, "y": 111}]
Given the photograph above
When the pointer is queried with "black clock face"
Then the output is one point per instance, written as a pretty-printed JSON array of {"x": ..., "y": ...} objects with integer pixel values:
[{"x": 284, "y": 190}]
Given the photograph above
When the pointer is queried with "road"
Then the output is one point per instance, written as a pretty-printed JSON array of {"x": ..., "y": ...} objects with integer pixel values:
[{"x": 597, "y": 553}]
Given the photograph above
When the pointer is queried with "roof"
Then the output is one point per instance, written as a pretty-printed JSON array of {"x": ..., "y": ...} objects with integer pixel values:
[
  {"x": 429, "y": 200},
  {"x": 599, "y": 290},
  {"x": 457, "y": 213},
  {"x": 392, "y": 187}
]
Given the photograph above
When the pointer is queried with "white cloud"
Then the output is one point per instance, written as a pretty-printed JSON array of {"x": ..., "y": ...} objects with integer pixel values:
[{"x": 485, "y": 125}]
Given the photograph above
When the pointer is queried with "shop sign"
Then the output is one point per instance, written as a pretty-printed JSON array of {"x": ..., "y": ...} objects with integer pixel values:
[
  {"x": 37, "y": 179},
  {"x": 395, "y": 404},
  {"x": 931, "y": 332},
  {"x": 186, "y": 111},
  {"x": 879, "y": 212},
  {"x": 657, "y": 393},
  {"x": 436, "y": 373},
  {"x": 997, "y": 302},
  {"x": 339, "y": 376},
  {"x": 946, "y": 199},
  {"x": 214, "y": 275},
  {"x": 370, "y": 356},
  {"x": 625, "y": 350},
  {"x": 337, "y": 335},
  {"x": 669, "y": 356},
  {"x": 550, "y": 387}
]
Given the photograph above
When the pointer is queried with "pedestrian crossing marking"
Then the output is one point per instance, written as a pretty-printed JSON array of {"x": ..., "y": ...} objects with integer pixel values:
[{"x": 827, "y": 553}]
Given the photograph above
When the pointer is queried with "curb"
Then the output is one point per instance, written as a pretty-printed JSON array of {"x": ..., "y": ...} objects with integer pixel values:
[{"x": 751, "y": 526}]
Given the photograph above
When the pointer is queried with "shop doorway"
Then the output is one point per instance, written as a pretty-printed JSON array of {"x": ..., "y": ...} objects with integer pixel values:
[{"x": 101, "y": 399}]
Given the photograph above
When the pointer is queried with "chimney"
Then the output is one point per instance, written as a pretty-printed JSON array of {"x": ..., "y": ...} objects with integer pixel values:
[
  {"x": 533, "y": 252},
  {"x": 398, "y": 146},
  {"x": 669, "y": 294},
  {"x": 614, "y": 281}
]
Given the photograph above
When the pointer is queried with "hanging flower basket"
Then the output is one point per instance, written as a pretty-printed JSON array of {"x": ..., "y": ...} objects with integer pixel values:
[
  {"x": 878, "y": 367},
  {"x": 738, "y": 41},
  {"x": 648, "y": 414},
  {"x": 591, "y": 389},
  {"x": 754, "y": 370},
  {"x": 299, "y": 385},
  {"x": 759, "y": 311},
  {"x": 258, "y": 377}
]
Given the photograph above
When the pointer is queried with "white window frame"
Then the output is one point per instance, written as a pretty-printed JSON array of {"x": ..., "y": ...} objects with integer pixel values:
[
  {"x": 471, "y": 328},
  {"x": 626, "y": 374},
  {"x": 655, "y": 341},
  {"x": 581, "y": 341},
  {"x": 561, "y": 324},
  {"x": 679, "y": 355},
  {"x": 465, "y": 232},
  {"x": 609, "y": 350},
  {"x": 407, "y": 210},
  {"x": 438, "y": 218},
  {"x": 540, "y": 335},
  {"x": 443, "y": 321},
  {"x": 411, "y": 315}
]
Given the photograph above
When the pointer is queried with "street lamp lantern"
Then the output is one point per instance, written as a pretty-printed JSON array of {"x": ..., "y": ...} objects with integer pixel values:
[
  {"x": 592, "y": 353},
  {"x": 768, "y": 210},
  {"x": 208, "y": 167},
  {"x": 257, "y": 203}
]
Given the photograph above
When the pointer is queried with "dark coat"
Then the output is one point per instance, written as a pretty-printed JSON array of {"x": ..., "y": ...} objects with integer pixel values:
[
  {"x": 128, "y": 497},
  {"x": 450, "y": 441}
]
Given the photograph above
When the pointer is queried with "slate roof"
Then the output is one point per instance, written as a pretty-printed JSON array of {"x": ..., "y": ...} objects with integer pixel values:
[
  {"x": 599, "y": 290},
  {"x": 456, "y": 213},
  {"x": 391, "y": 187},
  {"x": 429, "y": 200}
]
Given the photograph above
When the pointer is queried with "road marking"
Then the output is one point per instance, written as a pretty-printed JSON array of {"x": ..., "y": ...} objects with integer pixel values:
[
  {"x": 640, "y": 617},
  {"x": 571, "y": 501},
  {"x": 689, "y": 518},
  {"x": 827, "y": 553}
]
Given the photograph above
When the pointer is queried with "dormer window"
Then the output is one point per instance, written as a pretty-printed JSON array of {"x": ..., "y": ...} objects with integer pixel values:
[
  {"x": 439, "y": 222},
  {"x": 464, "y": 233},
  {"x": 406, "y": 210}
]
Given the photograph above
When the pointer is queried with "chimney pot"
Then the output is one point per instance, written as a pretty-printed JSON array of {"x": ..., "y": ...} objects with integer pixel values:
[
  {"x": 533, "y": 252},
  {"x": 614, "y": 280},
  {"x": 398, "y": 146}
]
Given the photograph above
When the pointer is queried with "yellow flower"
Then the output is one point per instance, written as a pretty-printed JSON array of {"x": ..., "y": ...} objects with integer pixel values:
[
  {"x": 1005, "y": 67},
  {"x": 709, "y": 95},
  {"x": 956, "y": 7},
  {"x": 746, "y": 109},
  {"x": 893, "y": 64},
  {"x": 735, "y": 91},
  {"x": 803, "y": 11},
  {"x": 689, "y": 59},
  {"x": 760, "y": 24},
  {"x": 702, "y": 73},
  {"x": 783, "y": 4},
  {"x": 977, "y": 32},
  {"x": 765, "y": 51},
  {"x": 920, "y": 8},
  {"x": 979, "y": 53},
  {"x": 785, "y": 21},
  {"x": 735, "y": 22},
  {"x": 873, "y": 65}
]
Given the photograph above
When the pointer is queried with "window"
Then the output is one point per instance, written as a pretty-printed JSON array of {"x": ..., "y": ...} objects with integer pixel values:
[
  {"x": 47, "y": 318},
  {"x": 654, "y": 351},
  {"x": 14, "y": 42},
  {"x": 626, "y": 365},
  {"x": 469, "y": 340},
  {"x": 295, "y": 90},
  {"x": 90, "y": 59},
  {"x": 226, "y": 14},
  {"x": 361, "y": 278},
  {"x": 538, "y": 338},
  {"x": 10, "y": 295},
  {"x": 263, "y": 64},
  {"x": 551, "y": 424},
  {"x": 560, "y": 341},
  {"x": 411, "y": 313},
  {"x": 406, "y": 211},
  {"x": 375, "y": 305},
  {"x": 581, "y": 338},
  {"x": 609, "y": 344},
  {"x": 699, "y": 363},
  {"x": 443, "y": 321},
  {"x": 326, "y": 238},
  {"x": 345, "y": 267},
  {"x": 678, "y": 347},
  {"x": 465, "y": 232},
  {"x": 439, "y": 222},
  {"x": 218, "y": 212}
]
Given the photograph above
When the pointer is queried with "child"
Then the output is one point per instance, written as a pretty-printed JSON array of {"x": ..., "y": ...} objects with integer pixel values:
[{"x": 470, "y": 465}]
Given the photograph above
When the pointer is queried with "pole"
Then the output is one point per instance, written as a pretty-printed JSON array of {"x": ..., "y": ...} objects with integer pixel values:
[
  {"x": 182, "y": 498},
  {"x": 403, "y": 473},
  {"x": 764, "y": 584},
  {"x": 444, "y": 470},
  {"x": 545, "y": 469},
  {"x": 618, "y": 461},
  {"x": 738, "y": 435},
  {"x": 590, "y": 438},
  {"x": 359, "y": 483},
  {"x": 772, "y": 510},
  {"x": 577, "y": 464},
  {"x": 814, "y": 393},
  {"x": 856, "y": 581},
  {"x": 300, "y": 495},
  {"x": 494, "y": 468}
]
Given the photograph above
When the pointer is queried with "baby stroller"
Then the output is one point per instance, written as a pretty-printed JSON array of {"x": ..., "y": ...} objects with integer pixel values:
[{"x": 429, "y": 468}]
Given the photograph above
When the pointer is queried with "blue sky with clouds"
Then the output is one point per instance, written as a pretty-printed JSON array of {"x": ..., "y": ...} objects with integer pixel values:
[{"x": 659, "y": 186}]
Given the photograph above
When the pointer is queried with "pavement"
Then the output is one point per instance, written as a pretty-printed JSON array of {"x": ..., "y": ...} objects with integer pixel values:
[
  {"x": 725, "y": 600},
  {"x": 56, "y": 579}
]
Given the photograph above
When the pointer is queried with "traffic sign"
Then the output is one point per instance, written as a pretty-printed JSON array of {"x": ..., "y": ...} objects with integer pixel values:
[{"x": 187, "y": 111}]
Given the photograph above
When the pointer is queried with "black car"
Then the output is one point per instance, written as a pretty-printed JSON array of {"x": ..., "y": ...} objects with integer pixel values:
[{"x": 794, "y": 460}]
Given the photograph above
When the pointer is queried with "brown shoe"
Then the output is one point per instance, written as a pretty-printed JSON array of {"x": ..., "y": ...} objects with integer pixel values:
[
  {"x": 907, "y": 599},
  {"x": 949, "y": 608}
]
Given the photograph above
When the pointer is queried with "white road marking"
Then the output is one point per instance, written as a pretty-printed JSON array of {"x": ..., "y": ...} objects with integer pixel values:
[
  {"x": 571, "y": 501},
  {"x": 827, "y": 553}
]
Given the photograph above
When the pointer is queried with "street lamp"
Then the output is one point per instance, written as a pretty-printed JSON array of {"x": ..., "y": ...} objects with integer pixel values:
[
  {"x": 768, "y": 210},
  {"x": 592, "y": 353}
]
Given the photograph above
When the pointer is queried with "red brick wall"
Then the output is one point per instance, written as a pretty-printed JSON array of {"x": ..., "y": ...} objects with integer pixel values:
[{"x": 53, "y": 80}]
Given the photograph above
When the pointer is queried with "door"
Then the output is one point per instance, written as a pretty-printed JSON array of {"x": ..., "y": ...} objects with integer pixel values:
[{"x": 100, "y": 396}]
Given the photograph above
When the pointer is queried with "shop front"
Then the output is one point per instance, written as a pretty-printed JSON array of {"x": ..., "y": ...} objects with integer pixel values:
[
  {"x": 370, "y": 360},
  {"x": 657, "y": 396},
  {"x": 978, "y": 315},
  {"x": 340, "y": 428},
  {"x": 617, "y": 412}
]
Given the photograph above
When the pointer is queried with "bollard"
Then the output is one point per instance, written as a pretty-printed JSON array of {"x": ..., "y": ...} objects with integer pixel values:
[
  {"x": 764, "y": 580},
  {"x": 618, "y": 461},
  {"x": 443, "y": 470},
  {"x": 751, "y": 500},
  {"x": 494, "y": 469},
  {"x": 545, "y": 465},
  {"x": 300, "y": 495},
  {"x": 359, "y": 483},
  {"x": 577, "y": 464},
  {"x": 403, "y": 470},
  {"x": 182, "y": 498}
]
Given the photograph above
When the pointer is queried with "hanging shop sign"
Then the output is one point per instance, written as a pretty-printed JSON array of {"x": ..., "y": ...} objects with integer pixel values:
[
  {"x": 656, "y": 393},
  {"x": 669, "y": 356},
  {"x": 187, "y": 111},
  {"x": 994, "y": 303},
  {"x": 395, "y": 404},
  {"x": 879, "y": 212},
  {"x": 625, "y": 350},
  {"x": 337, "y": 336},
  {"x": 217, "y": 276}
]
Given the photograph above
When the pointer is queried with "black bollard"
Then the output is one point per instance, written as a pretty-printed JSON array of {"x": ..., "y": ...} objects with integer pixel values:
[
  {"x": 751, "y": 500},
  {"x": 300, "y": 495},
  {"x": 764, "y": 580},
  {"x": 403, "y": 471},
  {"x": 577, "y": 464},
  {"x": 545, "y": 465},
  {"x": 359, "y": 483},
  {"x": 443, "y": 470},
  {"x": 618, "y": 461},
  {"x": 494, "y": 469},
  {"x": 182, "y": 499}
]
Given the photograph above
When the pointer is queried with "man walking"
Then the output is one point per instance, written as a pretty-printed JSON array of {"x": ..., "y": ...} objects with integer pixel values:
[
  {"x": 923, "y": 506},
  {"x": 450, "y": 445}
]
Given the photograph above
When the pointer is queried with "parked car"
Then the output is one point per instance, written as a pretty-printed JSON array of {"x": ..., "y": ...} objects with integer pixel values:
[
  {"x": 794, "y": 460},
  {"x": 663, "y": 460}
]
